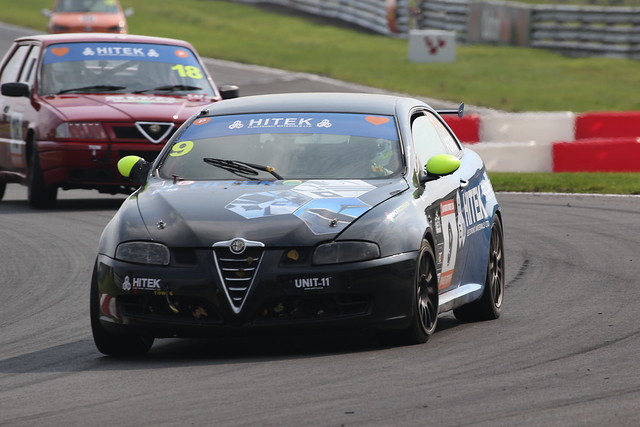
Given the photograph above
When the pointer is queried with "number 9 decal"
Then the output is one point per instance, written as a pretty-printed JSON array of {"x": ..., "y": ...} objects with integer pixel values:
[{"x": 181, "y": 148}]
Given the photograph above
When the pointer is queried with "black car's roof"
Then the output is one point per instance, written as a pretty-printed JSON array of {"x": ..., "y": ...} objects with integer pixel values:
[{"x": 337, "y": 102}]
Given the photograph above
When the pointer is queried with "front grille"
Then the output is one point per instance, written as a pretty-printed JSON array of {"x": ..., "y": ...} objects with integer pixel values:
[
  {"x": 158, "y": 307},
  {"x": 315, "y": 307},
  {"x": 154, "y": 131},
  {"x": 237, "y": 270},
  {"x": 144, "y": 131},
  {"x": 127, "y": 132}
]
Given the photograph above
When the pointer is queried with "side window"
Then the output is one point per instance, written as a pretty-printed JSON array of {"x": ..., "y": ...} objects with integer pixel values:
[
  {"x": 431, "y": 138},
  {"x": 426, "y": 139},
  {"x": 28, "y": 71},
  {"x": 12, "y": 67},
  {"x": 450, "y": 143}
]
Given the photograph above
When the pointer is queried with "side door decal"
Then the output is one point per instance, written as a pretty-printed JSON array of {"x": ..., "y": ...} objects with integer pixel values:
[{"x": 446, "y": 227}]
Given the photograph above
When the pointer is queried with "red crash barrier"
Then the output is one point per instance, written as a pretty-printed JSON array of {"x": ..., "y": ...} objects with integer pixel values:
[
  {"x": 608, "y": 124},
  {"x": 467, "y": 128},
  {"x": 597, "y": 155}
]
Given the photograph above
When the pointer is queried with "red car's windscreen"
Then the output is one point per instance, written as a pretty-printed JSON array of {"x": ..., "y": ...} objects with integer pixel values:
[{"x": 123, "y": 68}]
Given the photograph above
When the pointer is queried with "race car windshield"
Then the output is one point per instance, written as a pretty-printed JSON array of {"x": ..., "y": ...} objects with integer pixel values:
[
  {"x": 298, "y": 146},
  {"x": 122, "y": 68},
  {"x": 96, "y": 6}
]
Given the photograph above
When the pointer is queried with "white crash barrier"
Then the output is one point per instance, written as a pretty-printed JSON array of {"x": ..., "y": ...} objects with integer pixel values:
[
  {"x": 540, "y": 127},
  {"x": 522, "y": 142},
  {"x": 518, "y": 156}
]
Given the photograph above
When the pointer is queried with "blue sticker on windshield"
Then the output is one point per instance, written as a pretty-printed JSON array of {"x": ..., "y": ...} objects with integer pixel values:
[
  {"x": 119, "y": 51},
  {"x": 374, "y": 126}
]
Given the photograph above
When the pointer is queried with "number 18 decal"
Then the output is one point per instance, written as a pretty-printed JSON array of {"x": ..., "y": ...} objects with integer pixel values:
[{"x": 188, "y": 71}]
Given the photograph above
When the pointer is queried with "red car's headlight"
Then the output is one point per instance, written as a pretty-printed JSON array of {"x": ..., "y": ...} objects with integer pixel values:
[{"x": 81, "y": 130}]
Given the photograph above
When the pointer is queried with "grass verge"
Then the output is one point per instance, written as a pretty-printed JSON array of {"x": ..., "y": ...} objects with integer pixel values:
[{"x": 560, "y": 182}]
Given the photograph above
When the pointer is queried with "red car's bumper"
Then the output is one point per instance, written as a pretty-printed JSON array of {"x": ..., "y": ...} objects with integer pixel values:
[{"x": 89, "y": 165}]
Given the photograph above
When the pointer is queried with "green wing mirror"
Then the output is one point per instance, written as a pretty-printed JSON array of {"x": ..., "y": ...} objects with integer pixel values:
[
  {"x": 135, "y": 168},
  {"x": 441, "y": 165}
]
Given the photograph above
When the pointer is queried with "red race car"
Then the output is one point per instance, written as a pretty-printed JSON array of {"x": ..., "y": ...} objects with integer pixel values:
[{"x": 72, "y": 105}]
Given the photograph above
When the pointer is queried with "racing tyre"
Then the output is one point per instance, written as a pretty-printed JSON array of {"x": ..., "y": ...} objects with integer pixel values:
[
  {"x": 113, "y": 345},
  {"x": 3, "y": 187},
  {"x": 424, "y": 310},
  {"x": 40, "y": 196},
  {"x": 489, "y": 305}
]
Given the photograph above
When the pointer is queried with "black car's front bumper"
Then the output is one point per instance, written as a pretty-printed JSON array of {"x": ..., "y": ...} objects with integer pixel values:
[{"x": 189, "y": 297}]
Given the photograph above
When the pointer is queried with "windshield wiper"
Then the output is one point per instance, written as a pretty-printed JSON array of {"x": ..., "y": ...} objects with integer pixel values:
[
  {"x": 105, "y": 88},
  {"x": 170, "y": 88},
  {"x": 242, "y": 169}
]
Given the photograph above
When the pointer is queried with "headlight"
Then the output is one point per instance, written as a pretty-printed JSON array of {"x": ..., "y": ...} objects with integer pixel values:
[
  {"x": 143, "y": 253},
  {"x": 81, "y": 130},
  {"x": 338, "y": 252}
]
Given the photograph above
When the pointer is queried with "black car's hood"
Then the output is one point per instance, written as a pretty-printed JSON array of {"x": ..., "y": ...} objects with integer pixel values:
[{"x": 276, "y": 213}]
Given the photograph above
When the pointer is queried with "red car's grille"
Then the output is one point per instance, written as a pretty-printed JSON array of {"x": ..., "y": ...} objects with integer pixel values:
[
  {"x": 144, "y": 131},
  {"x": 127, "y": 132}
]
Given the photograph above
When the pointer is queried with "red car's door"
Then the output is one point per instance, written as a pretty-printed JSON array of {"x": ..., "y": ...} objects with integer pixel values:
[{"x": 16, "y": 111}]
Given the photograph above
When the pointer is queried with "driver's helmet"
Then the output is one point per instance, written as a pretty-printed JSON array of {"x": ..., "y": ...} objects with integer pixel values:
[{"x": 64, "y": 75}]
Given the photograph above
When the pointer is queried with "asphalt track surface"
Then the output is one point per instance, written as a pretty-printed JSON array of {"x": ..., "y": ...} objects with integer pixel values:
[{"x": 564, "y": 353}]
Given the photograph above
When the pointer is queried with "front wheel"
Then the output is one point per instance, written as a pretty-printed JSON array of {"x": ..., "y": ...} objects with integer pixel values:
[
  {"x": 424, "y": 310},
  {"x": 109, "y": 344},
  {"x": 489, "y": 305},
  {"x": 40, "y": 196},
  {"x": 3, "y": 187}
]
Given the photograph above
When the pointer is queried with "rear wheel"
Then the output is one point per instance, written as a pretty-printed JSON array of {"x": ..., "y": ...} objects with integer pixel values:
[
  {"x": 424, "y": 312},
  {"x": 3, "y": 187},
  {"x": 489, "y": 305},
  {"x": 40, "y": 196},
  {"x": 110, "y": 344}
]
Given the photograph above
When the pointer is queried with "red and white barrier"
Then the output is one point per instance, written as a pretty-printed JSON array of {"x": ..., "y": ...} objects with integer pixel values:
[
  {"x": 608, "y": 125},
  {"x": 553, "y": 141},
  {"x": 603, "y": 142},
  {"x": 597, "y": 155},
  {"x": 467, "y": 128}
]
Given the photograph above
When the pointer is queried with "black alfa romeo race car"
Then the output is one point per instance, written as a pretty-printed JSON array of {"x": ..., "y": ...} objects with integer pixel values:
[{"x": 299, "y": 212}]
